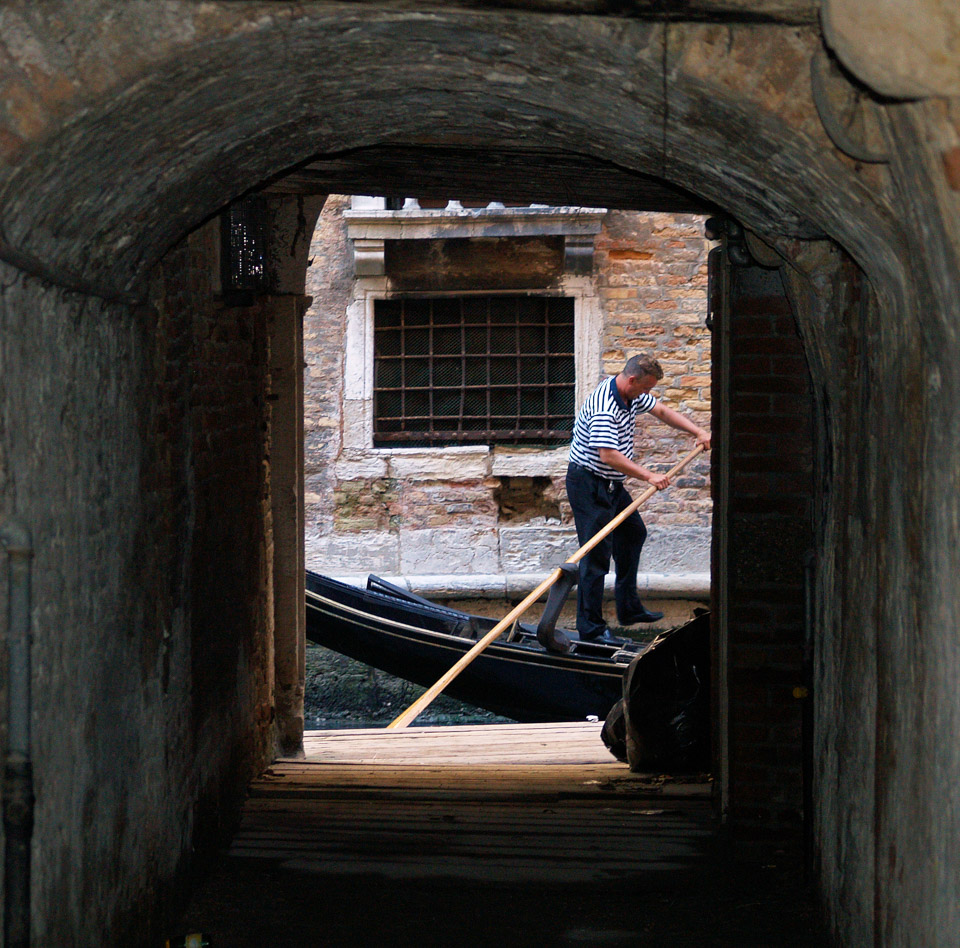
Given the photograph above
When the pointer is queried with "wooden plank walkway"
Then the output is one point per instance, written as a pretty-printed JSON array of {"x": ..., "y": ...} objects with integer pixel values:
[
  {"x": 465, "y": 746},
  {"x": 513, "y": 803},
  {"x": 515, "y": 835}
]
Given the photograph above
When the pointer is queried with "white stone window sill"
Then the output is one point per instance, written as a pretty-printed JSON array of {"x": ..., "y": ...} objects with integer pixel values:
[
  {"x": 446, "y": 450},
  {"x": 458, "y": 462}
]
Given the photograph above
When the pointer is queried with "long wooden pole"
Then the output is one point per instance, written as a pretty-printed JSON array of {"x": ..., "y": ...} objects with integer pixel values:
[{"x": 403, "y": 719}]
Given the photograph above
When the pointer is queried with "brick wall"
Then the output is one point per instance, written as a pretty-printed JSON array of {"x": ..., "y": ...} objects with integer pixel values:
[
  {"x": 652, "y": 280},
  {"x": 214, "y": 373},
  {"x": 769, "y": 532}
]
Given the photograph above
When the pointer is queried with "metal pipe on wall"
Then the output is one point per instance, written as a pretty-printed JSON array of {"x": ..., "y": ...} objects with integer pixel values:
[{"x": 18, "y": 768}]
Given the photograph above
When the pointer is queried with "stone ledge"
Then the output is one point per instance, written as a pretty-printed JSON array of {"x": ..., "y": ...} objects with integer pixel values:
[
  {"x": 453, "y": 463},
  {"x": 652, "y": 586},
  {"x": 543, "y": 462}
]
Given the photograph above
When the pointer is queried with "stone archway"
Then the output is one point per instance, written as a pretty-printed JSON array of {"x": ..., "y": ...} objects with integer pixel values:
[
  {"x": 215, "y": 112},
  {"x": 124, "y": 136}
]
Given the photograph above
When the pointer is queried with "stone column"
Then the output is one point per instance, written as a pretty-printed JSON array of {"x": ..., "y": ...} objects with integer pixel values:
[
  {"x": 290, "y": 226},
  {"x": 285, "y": 330}
]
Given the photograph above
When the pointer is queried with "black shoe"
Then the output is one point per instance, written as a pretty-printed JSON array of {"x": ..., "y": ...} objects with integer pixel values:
[
  {"x": 644, "y": 615},
  {"x": 606, "y": 637}
]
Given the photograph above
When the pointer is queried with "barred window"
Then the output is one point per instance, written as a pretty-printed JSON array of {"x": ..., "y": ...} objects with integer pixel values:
[{"x": 473, "y": 370}]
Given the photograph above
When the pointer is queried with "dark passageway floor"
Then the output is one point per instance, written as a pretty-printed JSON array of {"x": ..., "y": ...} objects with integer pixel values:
[{"x": 510, "y": 835}]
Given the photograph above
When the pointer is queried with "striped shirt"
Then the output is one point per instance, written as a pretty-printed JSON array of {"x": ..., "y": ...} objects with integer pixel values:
[{"x": 606, "y": 421}]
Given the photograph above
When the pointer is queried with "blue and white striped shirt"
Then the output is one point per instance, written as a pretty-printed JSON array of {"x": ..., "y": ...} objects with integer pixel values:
[{"x": 606, "y": 421}]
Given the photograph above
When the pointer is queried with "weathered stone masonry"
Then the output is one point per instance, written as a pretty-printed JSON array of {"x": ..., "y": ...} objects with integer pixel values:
[
  {"x": 482, "y": 511},
  {"x": 157, "y": 581},
  {"x": 125, "y": 126},
  {"x": 178, "y": 402}
]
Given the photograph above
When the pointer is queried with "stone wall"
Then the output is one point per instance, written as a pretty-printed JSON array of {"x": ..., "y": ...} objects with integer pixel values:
[
  {"x": 124, "y": 125},
  {"x": 504, "y": 510},
  {"x": 652, "y": 277},
  {"x": 134, "y": 448},
  {"x": 329, "y": 284}
]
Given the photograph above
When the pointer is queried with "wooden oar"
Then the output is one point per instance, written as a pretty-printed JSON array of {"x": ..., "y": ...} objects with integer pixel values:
[{"x": 402, "y": 720}]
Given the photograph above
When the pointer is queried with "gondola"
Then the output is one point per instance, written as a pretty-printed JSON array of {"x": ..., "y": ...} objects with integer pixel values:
[{"x": 414, "y": 639}]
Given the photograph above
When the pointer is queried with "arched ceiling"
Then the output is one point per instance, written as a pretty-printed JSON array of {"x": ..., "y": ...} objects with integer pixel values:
[
  {"x": 720, "y": 112},
  {"x": 527, "y": 176}
]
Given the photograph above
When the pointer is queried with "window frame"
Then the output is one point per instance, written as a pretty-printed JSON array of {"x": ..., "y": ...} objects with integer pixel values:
[
  {"x": 441, "y": 429},
  {"x": 358, "y": 456}
]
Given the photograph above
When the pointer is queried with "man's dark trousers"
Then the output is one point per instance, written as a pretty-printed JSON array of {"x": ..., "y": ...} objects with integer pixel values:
[{"x": 595, "y": 502}]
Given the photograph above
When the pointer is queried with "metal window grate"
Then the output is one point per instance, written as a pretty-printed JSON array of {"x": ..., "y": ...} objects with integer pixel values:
[
  {"x": 473, "y": 370},
  {"x": 242, "y": 271}
]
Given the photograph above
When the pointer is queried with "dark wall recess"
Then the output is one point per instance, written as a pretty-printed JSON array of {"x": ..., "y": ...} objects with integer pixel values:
[{"x": 768, "y": 528}]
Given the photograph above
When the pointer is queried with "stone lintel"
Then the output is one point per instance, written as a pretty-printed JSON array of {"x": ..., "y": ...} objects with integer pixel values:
[{"x": 419, "y": 224}]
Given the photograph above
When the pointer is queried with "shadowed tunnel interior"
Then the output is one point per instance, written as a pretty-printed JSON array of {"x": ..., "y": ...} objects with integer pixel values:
[{"x": 149, "y": 435}]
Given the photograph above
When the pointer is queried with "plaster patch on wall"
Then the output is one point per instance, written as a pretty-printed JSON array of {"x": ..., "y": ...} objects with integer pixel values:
[
  {"x": 900, "y": 48},
  {"x": 374, "y": 552},
  {"x": 449, "y": 550},
  {"x": 529, "y": 549}
]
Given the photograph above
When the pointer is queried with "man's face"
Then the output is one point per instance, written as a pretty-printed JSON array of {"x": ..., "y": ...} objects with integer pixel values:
[{"x": 639, "y": 385}]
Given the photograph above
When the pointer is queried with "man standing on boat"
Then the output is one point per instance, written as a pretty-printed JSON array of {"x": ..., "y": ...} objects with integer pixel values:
[{"x": 601, "y": 458}]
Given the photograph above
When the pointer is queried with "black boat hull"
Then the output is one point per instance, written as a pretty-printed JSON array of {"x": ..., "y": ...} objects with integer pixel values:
[{"x": 419, "y": 642}]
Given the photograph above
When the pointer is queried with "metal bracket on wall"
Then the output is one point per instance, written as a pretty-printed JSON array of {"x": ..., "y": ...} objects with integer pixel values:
[
  {"x": 833, "y": 95},
  {"x": 732, "y": 234}
]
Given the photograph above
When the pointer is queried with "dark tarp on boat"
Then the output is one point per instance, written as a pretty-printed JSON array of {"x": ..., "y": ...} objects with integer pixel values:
[{"x": 662, "y": 722}]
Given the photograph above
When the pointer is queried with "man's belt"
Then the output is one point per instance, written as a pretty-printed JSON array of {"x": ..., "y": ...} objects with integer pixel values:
[{"x": 610, "y": 482}]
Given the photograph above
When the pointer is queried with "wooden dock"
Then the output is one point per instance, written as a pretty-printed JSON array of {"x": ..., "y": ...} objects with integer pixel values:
[
  {"x": 576, "y": 743},
  {"x": 515, "y": 835},
  {"x": 516, "y": 803}
]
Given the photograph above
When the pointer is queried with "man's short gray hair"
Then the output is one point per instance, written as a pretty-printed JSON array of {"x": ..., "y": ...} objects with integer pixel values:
[{"x": 640, "y": 365}]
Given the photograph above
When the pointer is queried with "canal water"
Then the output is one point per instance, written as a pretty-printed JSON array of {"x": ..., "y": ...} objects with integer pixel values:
[{"x": 343, "y": 693}]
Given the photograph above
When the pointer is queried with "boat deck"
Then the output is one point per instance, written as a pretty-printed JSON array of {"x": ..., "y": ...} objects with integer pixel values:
[{"x": 500, "y": 834}]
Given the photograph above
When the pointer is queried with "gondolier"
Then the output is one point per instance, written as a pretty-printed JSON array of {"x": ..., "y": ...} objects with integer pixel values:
[{"x": 601, "y": 458}]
